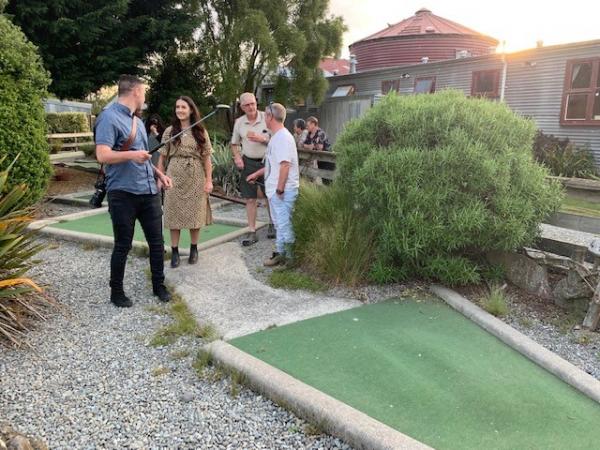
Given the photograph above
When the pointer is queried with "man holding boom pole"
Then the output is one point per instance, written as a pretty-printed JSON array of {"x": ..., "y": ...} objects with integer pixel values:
[{"x": 122, "y": 146}]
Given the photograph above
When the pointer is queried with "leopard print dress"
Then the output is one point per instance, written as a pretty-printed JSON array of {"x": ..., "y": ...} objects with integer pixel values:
[{"x": 186, "y": 205}]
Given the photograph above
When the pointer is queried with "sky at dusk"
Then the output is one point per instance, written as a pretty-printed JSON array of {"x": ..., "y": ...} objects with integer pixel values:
[{"x": 519, "y": 23}]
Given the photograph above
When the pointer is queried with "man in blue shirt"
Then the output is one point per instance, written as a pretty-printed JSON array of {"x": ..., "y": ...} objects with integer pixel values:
[{"x": 133, "y": 185}]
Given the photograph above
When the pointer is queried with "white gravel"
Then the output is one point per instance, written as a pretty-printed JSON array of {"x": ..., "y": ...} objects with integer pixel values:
[
  {"x": 53, "y": 209},
  {"x": 90, "y": 384},
  {"x": 558, "y": 331}
]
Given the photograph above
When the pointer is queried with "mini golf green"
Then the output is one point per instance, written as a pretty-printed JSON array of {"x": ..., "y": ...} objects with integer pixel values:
[
  {"x": 101, "y": 224},
  {"x": 427, "y": 371}
]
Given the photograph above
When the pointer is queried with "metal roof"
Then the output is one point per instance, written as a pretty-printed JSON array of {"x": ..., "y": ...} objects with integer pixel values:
[
  {"x": 333, "y": 66},
  {"x": 424, "y": 23},
  {"x": 530, "y": 52}
]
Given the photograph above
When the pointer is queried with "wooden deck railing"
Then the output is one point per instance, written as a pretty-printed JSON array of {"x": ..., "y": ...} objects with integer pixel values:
[
  {"x": 75, "y": 140},
  {"x": 308, "y": 166}
]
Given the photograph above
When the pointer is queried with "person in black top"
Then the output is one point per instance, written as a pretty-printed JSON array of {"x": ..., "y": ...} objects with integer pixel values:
[{"x": 318, "y": 140}]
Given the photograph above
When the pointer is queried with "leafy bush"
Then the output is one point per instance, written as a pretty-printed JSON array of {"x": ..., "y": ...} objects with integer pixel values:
[
  {"x": 494, "y": 273},
  {"x": 23, "y": 84},
  {"x": 17, "y": 248},
  {"x": 331, "y": 238},
  {"x": 441, "y": 179},
  {"x": 225, "y": 173},
  {"x": 56, "y": 146},
  {"x": 88, "y": 150},
  {"x": 68, "y": 122},
  {"x": 563, "y": 158},
  {"x": 101, "y": 98}
]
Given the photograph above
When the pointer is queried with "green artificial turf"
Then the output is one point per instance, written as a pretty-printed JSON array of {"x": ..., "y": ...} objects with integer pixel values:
[
  {"x": 101, "y": 224},
  {"x": 427, "y": 371}
]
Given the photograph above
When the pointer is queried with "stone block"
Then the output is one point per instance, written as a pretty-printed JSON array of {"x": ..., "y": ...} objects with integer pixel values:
[{"x": 523, "y": 272}]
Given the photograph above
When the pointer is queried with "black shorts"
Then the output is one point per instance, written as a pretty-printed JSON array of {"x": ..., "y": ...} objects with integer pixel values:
[{"x": 250, "y": 166}]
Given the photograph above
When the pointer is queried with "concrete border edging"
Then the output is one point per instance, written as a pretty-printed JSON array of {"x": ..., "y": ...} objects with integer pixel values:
[
  {"x": 42, "y": 226},
  {"x": 543, "y": 357},
  {"x": 61, "y": 156},
  {"x": 38, "y": 224},
  {"x": 352, "y": 426},
  {"x": 75, "y": 199}
]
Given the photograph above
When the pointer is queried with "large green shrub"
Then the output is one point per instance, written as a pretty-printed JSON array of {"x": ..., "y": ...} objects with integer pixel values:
[
  {"x": 68, "y": 122},
  {"x": 23, "y": 83},
  {"x": 441, "y": 179}
]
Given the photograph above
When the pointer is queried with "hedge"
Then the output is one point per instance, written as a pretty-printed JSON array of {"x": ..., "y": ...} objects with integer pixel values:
[{"x": 23, "y": 85}]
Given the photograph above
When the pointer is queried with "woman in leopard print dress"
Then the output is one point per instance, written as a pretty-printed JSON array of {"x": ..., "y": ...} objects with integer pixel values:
[{"x": 188, "y": 162}]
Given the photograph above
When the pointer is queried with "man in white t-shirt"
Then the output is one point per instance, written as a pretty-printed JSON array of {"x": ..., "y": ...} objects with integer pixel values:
[{"x": 282, "y": 181}]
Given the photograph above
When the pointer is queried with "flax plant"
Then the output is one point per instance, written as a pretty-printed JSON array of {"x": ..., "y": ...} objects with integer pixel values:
[{"x": 20, "y": 297}]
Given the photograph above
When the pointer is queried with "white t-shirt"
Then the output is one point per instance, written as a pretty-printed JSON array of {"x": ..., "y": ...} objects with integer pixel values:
[{"x": 282, "y": 147}]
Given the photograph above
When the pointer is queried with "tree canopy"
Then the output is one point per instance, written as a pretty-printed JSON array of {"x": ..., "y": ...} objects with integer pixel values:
[
  {"x": 87, "y": 44},
  {"x": 248, "y": 40},
  {"x": 176, "y": 73}
]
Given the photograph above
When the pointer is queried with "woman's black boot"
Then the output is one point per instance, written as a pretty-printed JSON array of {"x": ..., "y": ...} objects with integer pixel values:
[
  {"x": 193, "y": 254},
  {"x": 174, "y": 257}
]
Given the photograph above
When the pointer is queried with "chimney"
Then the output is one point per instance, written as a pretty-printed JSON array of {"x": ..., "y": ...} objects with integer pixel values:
[
  {"x": 353, "y": 63},
  {"x": 539, "y": 44}
]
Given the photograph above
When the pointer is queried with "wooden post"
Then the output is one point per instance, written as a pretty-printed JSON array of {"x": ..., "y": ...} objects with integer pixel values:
[
  {"x": 579, "y": 255},
  {"x": 593, "y": 313}
]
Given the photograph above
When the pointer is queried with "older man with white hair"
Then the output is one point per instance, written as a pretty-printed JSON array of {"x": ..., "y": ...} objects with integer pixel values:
[
  {"x": 250, "y": 132},
  {"x": 282, "y": 181}
]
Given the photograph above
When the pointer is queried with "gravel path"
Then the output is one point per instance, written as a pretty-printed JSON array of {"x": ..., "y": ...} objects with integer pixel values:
[{"x": 96, "y": 383}]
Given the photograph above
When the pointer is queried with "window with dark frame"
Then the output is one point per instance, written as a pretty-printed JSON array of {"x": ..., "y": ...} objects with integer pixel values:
[
  {"x": 424, "y": 85},
  {"x": 344, "y": 91},
  {"x": 390, "y": 85},
  {"x": 581, "y": 93},
  {"x": 485, "y": 83}
]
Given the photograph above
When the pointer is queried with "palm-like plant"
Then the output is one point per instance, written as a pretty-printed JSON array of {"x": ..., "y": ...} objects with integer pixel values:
[
  {"x": 225, "y": 173},
  {"x": 18, "y": 294}
]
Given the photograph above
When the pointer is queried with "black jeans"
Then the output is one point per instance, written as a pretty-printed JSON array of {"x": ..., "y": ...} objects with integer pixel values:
[{"x": 124, "y": 209}]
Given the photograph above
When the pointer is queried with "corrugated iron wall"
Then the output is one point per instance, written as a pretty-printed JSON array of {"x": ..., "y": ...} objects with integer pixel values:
[
  {"x": 404, "y": 50},
  {"x": 534, "y": 88},
  {"x": 534, "y": 85}
]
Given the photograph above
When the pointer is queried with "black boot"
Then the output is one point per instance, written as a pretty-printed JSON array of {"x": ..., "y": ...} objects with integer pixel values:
[
  {"x": 175, "y": 257},
  {"x": 193, "y": 254},
  {"x": 119, "y": 299},
  {"x": 162, "y": 293}
]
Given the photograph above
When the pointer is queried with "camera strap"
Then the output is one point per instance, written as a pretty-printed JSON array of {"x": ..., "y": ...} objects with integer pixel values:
[{"x": 124, "y": 147}]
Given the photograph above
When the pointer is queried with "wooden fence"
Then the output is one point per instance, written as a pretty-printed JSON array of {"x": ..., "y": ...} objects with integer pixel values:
[
  {"x": 70, "y": 140},
  {"x": 308, "y": 163},
  {"x": 334, "y": 113}
]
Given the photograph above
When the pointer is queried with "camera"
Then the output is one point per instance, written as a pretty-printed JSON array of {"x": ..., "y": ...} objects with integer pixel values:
[{"x": 99, "y": 194}]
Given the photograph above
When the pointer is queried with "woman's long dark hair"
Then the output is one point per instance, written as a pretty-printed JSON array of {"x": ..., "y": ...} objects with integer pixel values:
[{"x": 198, "y": 130}]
